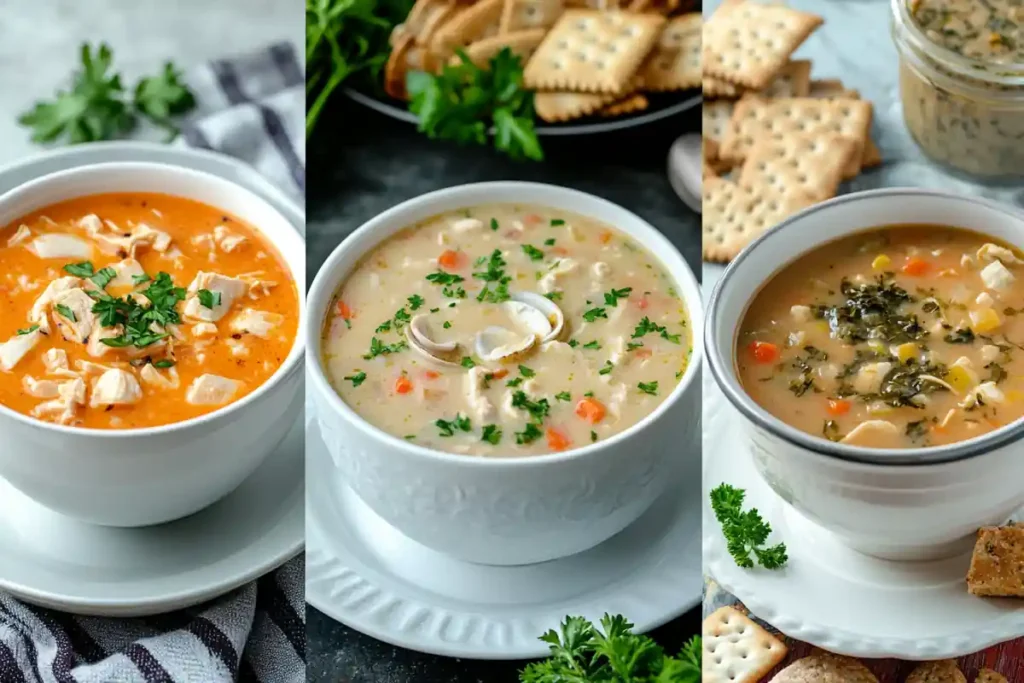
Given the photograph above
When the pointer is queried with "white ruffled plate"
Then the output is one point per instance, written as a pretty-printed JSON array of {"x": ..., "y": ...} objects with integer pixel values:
[
  {"x": 370, "y": 577},
  {"x": 52, "y": 560},
  {"x": 834, "y": 597}
]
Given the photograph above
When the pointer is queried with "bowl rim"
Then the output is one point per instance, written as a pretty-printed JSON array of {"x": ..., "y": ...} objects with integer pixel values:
[
  {"x": 320, "y": 296},
  {"x": 288, "y": 367},
  {"x": 723, "y": 371}
]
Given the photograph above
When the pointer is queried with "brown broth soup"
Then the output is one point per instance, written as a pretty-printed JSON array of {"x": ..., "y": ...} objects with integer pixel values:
[
  {"x": 503, "y": 382},
  {"x": 900, "y": 337}
]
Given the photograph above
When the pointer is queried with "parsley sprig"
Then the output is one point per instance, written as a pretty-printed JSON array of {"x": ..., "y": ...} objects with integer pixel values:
[
  {"x": 745, "y": 532},
  {"x": 647, "y": 326},
  {"x": 583, "y": 653},
  {"x": 495, "y": 289},
  {"x": 97, "y": 107},
  {"x": 137, "y": 321}
]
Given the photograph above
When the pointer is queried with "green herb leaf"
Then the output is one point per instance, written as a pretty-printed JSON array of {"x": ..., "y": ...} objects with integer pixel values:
[
  {"x": 538, "y": 410},
  {"x": 84, "y": 269},
  {"x": 66, "y": 312},
  {"x": 745, "y": 532},
  {"x": 648, "y": 388},
  {"x": 592, "y": 345},
  {"x": 356, "y": 379},
  {"x": 593, "y": 436},
  {"x": 494, "y": 224},
  {"x": 526, "y": 371},
  {"x": 529, "y": 434},
  {"x": 209, "y": 299},
  {"x": 415, "y": 301},
  {"x": 468, "y": 362},
  {"x": 608, "y": 367},
  {"x": 563, "y": 396},
  {"x": 549, "y": 242},
  {"x": 594, "y": 313},
  {"x": 141, "y": 278},
  {"x": 379, "y": 348},
  {"x": 612, "y": 297},
  {"x": 514, "y": 382},
  {"x": 448, "y": 428},
  {"x": 557, "y": 221},
  {"x": 28, "y": 330},
  {"x": 533, "y": 252},
  {"x": 443, "y": 278},
  {"x": 163, "y": 96},
  {"x": 491, "y": 434},
  {"x": 164, "y": 363}
]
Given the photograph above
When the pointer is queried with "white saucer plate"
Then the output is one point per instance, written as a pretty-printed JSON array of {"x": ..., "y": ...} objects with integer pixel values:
[
  {"x": 368, "y": 576},
  {"x": 834, "y": 597},
  {"x": 57, "y": 562}
]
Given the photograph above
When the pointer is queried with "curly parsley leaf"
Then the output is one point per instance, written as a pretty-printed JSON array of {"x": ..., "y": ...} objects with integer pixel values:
[
  {"x": 356, "y": 379},
  {"x": 745, "y": 532},
  {"x": 448, "y": 427}
]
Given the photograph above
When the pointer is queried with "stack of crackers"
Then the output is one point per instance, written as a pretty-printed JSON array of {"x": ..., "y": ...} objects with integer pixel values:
[
  {"x": 738, "y": 650},
  {"x": 775, "y": 141},
  {"x": 582, "y": 57}
]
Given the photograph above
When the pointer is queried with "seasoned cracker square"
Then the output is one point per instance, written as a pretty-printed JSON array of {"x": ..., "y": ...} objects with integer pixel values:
[
  {"x": 792, "y": 80},
  {"x": 630, "y": 105},
  {"x": 749, "y": 43},
  {"x": 716, "y": 87},
  {"x": 997, "y": 567},
  {"x": 554, "y": 107},
  {"x": 715, "y": 119},
  {"x": 737, "y": 649},
  {"x": 674, "y": 63},
  {"x": 797, "y": 164},
  {"x": 756, "y": 118},
  {"x": 519, "y": 15},
  {"x": 592, "y": 51}
]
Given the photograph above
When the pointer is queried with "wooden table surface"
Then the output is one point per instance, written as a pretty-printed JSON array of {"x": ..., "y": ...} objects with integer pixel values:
[{"x": 1007, "y": 659}]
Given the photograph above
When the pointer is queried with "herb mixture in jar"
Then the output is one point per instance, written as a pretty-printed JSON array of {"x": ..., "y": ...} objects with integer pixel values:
[{"x": 903, "y": 337}]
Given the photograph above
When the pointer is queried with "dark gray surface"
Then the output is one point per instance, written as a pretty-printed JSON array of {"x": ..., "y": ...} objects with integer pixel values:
[{"x": 361, "y": 163}]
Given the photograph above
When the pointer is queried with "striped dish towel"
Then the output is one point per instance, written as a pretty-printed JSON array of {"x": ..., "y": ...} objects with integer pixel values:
[{"x": 253, "y": 108}]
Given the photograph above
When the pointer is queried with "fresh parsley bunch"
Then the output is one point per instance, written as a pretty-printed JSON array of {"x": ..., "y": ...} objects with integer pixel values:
[
  {"x": 745, "y": 532},
  {"x": 582, "y": 653},
  {"x": 464, "y": 101},
  {"x": 97, "y": 106}
]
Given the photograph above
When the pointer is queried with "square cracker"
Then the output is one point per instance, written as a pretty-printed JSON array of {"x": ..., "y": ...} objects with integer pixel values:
[
  {"x": 716, "y": 87},
  {"x": 801, "y": 164},
  {"x": 630, "y": 105},
  {"x": 945, "y": 671},
  {"x": 830, "y": 89},
  {"x": 731, "y": 217},
  {"x": 519, "y": 15},
  {"x": 755, "y": 118},
  {"x": 591, "y": 51},
  {"x": 737, "y": 649},
  {"x": 997, "y": 567},
  {"x": 824, "y": 667},
  {"x": 715, "y": 119},
  {"x": 554, "y": 107},
  {"x": 792, "y": 80},
  {"x": 749, "y": 43},
  {"x": 674, "y": 63}
]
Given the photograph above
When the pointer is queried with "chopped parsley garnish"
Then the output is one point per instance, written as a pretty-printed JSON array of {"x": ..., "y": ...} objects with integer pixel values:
[
  {"x": 494, "y": 224},
  {"x": 141, "y": 278},
  {"x": 383, "y": 327},
  {"x": 494, "y": 274},
  {"x": 674, "y": 338},
  {"x": 443, "y": 278},
  {"x": 538, "y": 410},
  {"x": 434, "y": 310},
  {"x": 594, "y": 345},
  {"x": 447, "y": 324},
  {"x": 595, "y": 313},
  {"x": 554, "y": 296},
  {"x": 563, "y": 396},
  {"x": 549, "y": 242},
  {"x": 357, "y": 378},
  {"x": 28, "y": 330},
  {"x": 379, "y": 348},
  {"x": 646, "y": 326},
  {"x": 526, "y": 372},
  {"x": 492, "y": 434},
  {"x": 103, "y": 277},
  {"x": 745, "y": 532},
  {"x": 589, "y": 394},
  {"x": 514, "y": 382},
  {"x": 648, "y": 388},
  {"x": 454, "y": 292},
  {"x": 557, "y": 221},
  {"x": 401, "y": 317},
  {"x": 164, "y": 363},
  {"x": 137, "y": 320},
  {"x": 461, "y": 422},
  {"x": 612, "y": 298},
  {"x": 83, "y": 269},
  {"x": 573, "y": 343},
  {"x": 529, "y": 434},
  {"x": 533, "y": 252},
  {"x": 209, "y": 299},
  {"x": 495, "y": 268},
  {"x": 468, "y": 362},
  {"x": 633, "y": 345},
  {"x": 962, "y": 335},
  {"x": 415, "y": 301},
  {"x": 66, "y": 312},
  {"x": 593, "y": 436},
  {"x": 608, "y": 367}
]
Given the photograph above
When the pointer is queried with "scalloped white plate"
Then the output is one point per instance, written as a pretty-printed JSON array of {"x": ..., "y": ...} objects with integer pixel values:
[
  {"x": 834, "y": 597},
  {"x": 370, "y": 577},
  {"x": 57, "y": 562}
]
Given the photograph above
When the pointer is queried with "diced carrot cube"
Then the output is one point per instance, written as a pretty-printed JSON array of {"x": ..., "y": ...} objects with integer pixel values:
[
  {"x": 498, "y": 374},
  {"x": 344, "y": 311},
  {"x": 838, "y": 406},
  {"x": 915, "y": 267},
  {"x": 606, "y": 237},
  {"x": 531, "y": 219},
  {"x": 590, "y": 409},
  {"x": 449, "y": 259},
  {"x": 764, "y": 352},
  {"x": 557, "y": 441},
  {"x": 644, "y": 353},
  {"x": 431, "y": 374},
  {"x": 403, "y": 385}
]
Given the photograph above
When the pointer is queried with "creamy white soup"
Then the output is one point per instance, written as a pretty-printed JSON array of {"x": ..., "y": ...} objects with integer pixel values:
[{"x": 506, "y": 330}]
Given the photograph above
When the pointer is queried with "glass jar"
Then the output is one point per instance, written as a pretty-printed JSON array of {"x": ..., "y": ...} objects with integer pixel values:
[{"x": 963, "y": 112}]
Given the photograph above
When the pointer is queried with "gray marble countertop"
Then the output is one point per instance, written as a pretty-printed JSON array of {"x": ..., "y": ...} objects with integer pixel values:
[
  {"x": 361, "y": 163},
  {"x": 41, "y": 39}
]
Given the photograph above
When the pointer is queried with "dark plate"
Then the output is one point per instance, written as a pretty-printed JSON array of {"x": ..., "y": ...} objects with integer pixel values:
[{"x": 661, "y": 106}]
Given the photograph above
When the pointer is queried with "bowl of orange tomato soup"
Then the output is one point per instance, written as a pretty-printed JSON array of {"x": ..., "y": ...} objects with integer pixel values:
[
  {"x": 151, "y": 339},
  {"x": 505, "y": 372},
  {"x": 873, "y": 347}
]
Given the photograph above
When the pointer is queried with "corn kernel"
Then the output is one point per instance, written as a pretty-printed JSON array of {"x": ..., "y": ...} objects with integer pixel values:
[
  {"x": 821, "y": 326},
  {"x": 959, "y": 378},
  {"x": 1014, "y": 396},
  {"x": 984, "y": 321},
  {"x": 881, "y": 262},
  {"x": 906, "y": 351}
]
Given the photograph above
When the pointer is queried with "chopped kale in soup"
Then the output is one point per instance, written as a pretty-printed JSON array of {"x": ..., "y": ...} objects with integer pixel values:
[
  {"x": 506, "y": 330},
  {"x": 901, "y": 337}
]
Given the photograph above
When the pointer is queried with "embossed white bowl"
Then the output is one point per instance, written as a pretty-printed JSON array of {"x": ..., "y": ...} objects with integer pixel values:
[
  {"x": 898, "y": 504},
  {"x": 138, "y": 477},
  {"x": 516, "y": 510}
]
